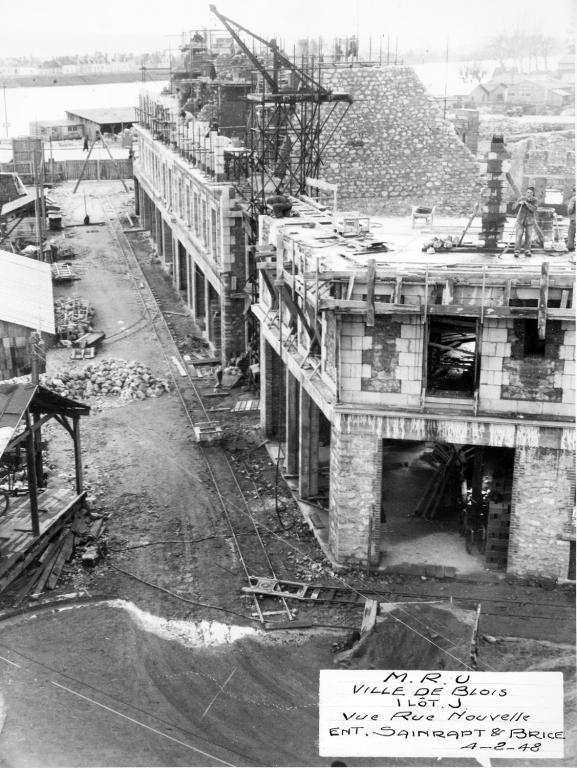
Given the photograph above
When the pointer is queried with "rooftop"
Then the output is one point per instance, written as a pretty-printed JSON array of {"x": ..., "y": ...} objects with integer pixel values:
[
  {"x": 26, "y": 296},
  {"x": 396, "y": 246},
  {"x": 104, "y": 116}
]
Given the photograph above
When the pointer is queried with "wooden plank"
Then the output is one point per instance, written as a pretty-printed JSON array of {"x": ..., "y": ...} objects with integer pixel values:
[
  {"x": 55, "y": 552},
  {"x": 369, "y": 616},
  {"x": 64, "y": 555},
  {"x": 543, "y": 299},
  {"x": 371, "y": 274}
]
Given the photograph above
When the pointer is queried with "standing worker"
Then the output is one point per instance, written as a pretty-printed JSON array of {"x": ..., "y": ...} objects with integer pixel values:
[
  {"x": 526, "y": 207},
  {"x": 85, "y": 147},
  {"x": 571, "y": 231}
]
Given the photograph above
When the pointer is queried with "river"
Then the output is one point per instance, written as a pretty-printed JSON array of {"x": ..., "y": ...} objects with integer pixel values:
[{"x": 21, "y": 106}]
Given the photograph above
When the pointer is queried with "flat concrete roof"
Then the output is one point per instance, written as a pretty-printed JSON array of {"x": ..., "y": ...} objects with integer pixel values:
[{"x": 393, "y": 242}]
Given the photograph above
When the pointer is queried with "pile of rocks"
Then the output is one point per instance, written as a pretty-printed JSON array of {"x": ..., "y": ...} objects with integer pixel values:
[
  {"x": 113, "y": 378},
  {"x": 441, "y": 243}
]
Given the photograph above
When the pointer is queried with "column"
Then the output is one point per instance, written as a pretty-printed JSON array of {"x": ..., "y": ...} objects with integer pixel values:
[
  {"x": 355, "y": 490},
  {"x": 271, "y": 392},
  {"x": 292, "y": 425},
  {"x": 308, "y": 446},
  {"x": 541, "y": 508}
]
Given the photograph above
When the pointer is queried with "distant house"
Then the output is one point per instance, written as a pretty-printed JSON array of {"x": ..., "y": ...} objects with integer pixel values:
[
  {"x": 536, "y": 89},
  {"x": 57, "y": 130},
  {"x": 107, "y": 120},
  {"x": 26, "y": 306},
  {"x": 549, "y": 92}
]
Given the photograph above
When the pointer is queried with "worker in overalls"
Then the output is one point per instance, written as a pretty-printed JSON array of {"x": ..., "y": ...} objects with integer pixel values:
[{"x": 526, "y": 207}]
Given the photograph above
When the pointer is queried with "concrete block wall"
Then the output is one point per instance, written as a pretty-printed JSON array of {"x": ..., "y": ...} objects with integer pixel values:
[
  {"x": 511, "y": 382},
  {"x": 355, "y": 489},
  {"x": 382, "y": 365},
  {"x": 394, "y": 149},
  {"x": 543, "y": 498}
]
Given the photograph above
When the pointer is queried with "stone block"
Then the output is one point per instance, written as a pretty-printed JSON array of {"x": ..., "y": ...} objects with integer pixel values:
[
  {"x": 406, "y": 359},
  {"x": 411, "y": 387}
]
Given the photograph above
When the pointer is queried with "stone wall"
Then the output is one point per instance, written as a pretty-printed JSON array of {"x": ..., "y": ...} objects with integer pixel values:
[
  {"x": 543, "y": 497},
  {"x": 393, "y": 149},
  {"x": 355, "y": 490}
]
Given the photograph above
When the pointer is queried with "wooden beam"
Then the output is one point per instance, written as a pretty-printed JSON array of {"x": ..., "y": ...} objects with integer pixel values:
[
  {"x": 358, "y": 307},
  {"x": 270, "y": 285},
  {"x": 513, "y": 186},
  {"x": 77, "y": 454},
  {"x": 448, "y": 292},
  {"x": 32, "y": 486},
  {"x": 23, "y": 436},
  {"x": 371, "y": 274},
  {"x": 293, "y": 308},
  {"x": 398, "y": 289},
  {"x": 543, "y": 299}
]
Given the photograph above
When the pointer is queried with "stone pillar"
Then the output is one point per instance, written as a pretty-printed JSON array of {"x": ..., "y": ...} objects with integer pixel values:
[
  {"x": 308, "y": 446},
  {"x": 271, "y": 392},
  {"x": 145, "y": 211},
  {"x": 193, "y": 288},
  {"x": 292, "y": 425},
  {"x": 355, "y": 490},
  {"x": 158, "y": 235},
  {"x": 542, "y": 503},
  {"x": 215, "y": 335},
  {"x": 137, "y": 193},
  {"x": 167, "y": 246},
  {"x": 200, "y": 317}
]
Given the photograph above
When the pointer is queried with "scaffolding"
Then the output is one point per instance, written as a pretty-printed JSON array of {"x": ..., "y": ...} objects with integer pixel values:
[{"x": 291, "y": 118}]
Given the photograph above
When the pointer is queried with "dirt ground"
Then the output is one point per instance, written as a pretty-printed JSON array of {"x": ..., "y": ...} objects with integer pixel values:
[{"x": 169, "y": 553}]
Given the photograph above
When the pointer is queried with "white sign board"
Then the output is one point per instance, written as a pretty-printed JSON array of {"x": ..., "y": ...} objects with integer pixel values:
[{"x": 485, "y": 715}]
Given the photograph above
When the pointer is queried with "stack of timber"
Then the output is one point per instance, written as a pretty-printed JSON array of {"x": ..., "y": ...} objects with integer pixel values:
[
  {"x": 448, "y": 461},
  {"x": 82, "y": 537},
  {"x": 73, "y": 318}
]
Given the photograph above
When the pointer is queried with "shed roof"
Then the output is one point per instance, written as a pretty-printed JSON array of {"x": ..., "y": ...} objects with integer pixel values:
[
  {"x": 17, "y": 203},
  {"x": 26, "y": 296},
  {"x": 16, "y": 398},
  {"x": 104, "y": 116}
]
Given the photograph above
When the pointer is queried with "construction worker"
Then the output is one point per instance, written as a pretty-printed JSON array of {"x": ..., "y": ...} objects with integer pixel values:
[
  {"x": 526, "y": 207},
  {"x": 571, "y": 213}
]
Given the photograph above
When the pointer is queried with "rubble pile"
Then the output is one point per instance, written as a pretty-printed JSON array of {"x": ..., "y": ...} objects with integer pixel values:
[
  {"x": 113, "y": 378},
  {"x": 439, "y": 243},
  {"x": 73, "y": 318}
]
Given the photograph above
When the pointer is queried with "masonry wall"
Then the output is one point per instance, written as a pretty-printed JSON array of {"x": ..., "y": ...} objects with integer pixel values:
[
  {"x": 355, "y": 490},
  {"x": 511, "y": 381},
  {"x": 394, "y": 149},
  {"x": 543, "y": 498}
]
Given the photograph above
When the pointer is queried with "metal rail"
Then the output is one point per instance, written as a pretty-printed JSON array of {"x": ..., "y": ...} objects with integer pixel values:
[{"x": 154, "y": 313}]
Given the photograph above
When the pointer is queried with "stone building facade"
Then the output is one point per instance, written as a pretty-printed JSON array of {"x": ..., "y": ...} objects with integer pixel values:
[
  {"x": 394, "y": 149},
  {"x": 195, "y": 221},
  {"x": 374, "y": 354}
]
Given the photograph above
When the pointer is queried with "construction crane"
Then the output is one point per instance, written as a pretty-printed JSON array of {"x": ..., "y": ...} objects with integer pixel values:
[{"x": 291, "y": 119}]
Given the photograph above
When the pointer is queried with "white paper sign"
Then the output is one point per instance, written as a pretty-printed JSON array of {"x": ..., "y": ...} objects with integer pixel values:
[{"x": 395, "y": 713}]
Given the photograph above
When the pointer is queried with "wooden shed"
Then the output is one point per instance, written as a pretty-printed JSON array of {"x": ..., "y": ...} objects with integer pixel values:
[{"x": 26, "y": 308}]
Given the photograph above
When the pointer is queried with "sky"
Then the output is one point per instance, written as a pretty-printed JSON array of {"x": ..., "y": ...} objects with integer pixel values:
[{"x": 66, "y": 27}]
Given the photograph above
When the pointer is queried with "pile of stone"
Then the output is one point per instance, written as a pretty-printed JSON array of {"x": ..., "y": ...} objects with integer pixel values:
[
  {"x": 112, "y": 378},
  {"x": 436, "y": 244},
  {"x": 73, "y": 318}
]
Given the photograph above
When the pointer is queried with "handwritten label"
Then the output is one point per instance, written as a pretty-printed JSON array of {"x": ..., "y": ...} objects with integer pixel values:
[{"x": 394, "y": 713}]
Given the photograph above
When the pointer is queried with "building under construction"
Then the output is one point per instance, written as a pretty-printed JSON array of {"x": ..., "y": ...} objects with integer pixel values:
[
  {"x": 407, "y": 389},
  {"x": 413, "y": 395}
]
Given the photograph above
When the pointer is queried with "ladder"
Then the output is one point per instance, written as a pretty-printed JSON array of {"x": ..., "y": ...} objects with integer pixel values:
[{"x": 296, "y": 590}]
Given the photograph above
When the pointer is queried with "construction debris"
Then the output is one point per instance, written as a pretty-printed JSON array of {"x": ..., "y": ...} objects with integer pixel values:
[{"x": 113, "y": 378}]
